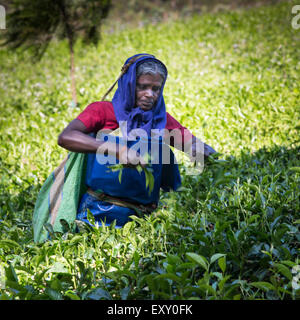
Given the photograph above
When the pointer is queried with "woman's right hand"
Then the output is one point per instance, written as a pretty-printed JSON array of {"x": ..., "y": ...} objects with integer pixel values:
[{"x": 130, "y": 157}]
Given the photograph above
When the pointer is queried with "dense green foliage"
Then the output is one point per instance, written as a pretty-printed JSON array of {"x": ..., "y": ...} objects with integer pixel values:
[{"x": 231, "y": 232}]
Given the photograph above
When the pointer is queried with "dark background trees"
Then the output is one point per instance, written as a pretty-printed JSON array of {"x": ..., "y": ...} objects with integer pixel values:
[{"x": 33, "y": 24}]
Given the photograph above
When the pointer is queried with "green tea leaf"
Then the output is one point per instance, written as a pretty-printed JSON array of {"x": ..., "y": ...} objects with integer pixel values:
[
  {"x": 90, "y": 217},
  {"x": 170, "y": 276},
  {"x": 266, "y": 286},
  {"x": 10, "y": 274},
  {"x": 194, "y": 257},
  {"x": 9, "y": 243},
  {"x": 216, "y": 257},
  {"x": 222, "y": 263},
  {"x": 283, "y": 270},
  {"x": 99, "y": 294},
  {"x": 120, "y": 176},
  {"x": 65, "y": 225},
  {"x": 124, "y": 293},
  {"x": 58, "y": 267},
  {"x": 72, "y": 295},
  {"x": 53, "y": 294},
  {"x": 296, "y": 169}
]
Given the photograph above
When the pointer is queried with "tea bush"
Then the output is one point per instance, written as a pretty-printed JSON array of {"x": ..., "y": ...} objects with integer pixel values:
[{"x": 231, "y": 232}]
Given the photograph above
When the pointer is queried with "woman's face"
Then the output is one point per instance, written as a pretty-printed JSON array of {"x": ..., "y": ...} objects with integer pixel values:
[{"x": 147, "y": 90}]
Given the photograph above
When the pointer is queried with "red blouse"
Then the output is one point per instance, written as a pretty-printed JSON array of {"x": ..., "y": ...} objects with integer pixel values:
[{"x": 100, "y": 115}]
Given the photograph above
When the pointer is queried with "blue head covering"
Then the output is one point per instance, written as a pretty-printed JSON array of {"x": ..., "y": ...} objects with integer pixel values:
[{"x": 124, "y": 101}]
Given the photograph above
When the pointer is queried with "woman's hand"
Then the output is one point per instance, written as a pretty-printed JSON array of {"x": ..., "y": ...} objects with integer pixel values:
[
  {"x": 208, "y": 150},
  {"x": 130, "y": 157},
  {"x": 201, "y": 151}
]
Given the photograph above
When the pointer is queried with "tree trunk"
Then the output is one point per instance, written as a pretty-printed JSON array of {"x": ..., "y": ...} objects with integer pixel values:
[
  {"x": 69, "y": 33},
  {"x": 72, "y": 74}
]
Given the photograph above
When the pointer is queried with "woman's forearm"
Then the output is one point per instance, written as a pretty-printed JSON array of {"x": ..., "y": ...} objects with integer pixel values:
[{"x": 76, "y": 141}]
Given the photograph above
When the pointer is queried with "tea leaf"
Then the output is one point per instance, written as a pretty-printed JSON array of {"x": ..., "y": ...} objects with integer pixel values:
[
  {"x": 222, "y": 263},
  {"x": 216, "y": 257},
  {"x": 72, "y": 295},
  {"x": 266, "y": 286},
  {"x": 90, "y": 217},
  {"x": 283, "y": 270},
  {"x": 194, "y": 257},
  {"x": 58, "y": 267},
  {"x": 99, "y": 294}
]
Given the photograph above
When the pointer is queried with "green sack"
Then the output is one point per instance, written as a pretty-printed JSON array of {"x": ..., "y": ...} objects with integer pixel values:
[{"x": 58, "y": 199}]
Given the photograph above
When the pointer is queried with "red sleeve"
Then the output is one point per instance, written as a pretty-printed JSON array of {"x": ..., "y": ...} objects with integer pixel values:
[
  {"x": 93, "y": 116},
  {"x": 183, "y": 135}
]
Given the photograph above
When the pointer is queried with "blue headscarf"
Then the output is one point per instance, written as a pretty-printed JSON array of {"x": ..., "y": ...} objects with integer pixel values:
[{"x": 124, "y": 102}]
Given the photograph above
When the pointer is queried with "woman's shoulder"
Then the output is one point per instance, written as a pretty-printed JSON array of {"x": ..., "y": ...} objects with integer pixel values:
[
  {"x": 103, "y": 109},
  {"x": 172, "y": 123},
  {"x": 100, "y": 105}
]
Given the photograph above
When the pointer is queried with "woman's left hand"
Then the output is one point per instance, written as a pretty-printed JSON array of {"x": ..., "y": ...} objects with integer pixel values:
[{"x": 208, "y": 150}]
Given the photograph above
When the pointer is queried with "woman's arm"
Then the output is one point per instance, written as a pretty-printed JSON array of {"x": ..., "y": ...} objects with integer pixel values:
[
  {"x": 185, "y": 141},
  {"x": 75, "y": 138}
]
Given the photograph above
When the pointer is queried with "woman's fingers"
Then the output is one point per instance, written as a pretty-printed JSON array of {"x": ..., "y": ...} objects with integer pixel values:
[{"x": 131, "y": 158}]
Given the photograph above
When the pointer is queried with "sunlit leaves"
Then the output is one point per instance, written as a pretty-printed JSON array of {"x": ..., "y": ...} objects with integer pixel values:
[{"x": 231, "y": 232}]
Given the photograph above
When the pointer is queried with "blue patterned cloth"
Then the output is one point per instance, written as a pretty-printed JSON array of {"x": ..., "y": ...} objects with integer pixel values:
[{"x": 103, "y": 212}]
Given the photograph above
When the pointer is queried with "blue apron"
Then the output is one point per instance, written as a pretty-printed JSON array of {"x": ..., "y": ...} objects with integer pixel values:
[{"x": 132, "y": 188}]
